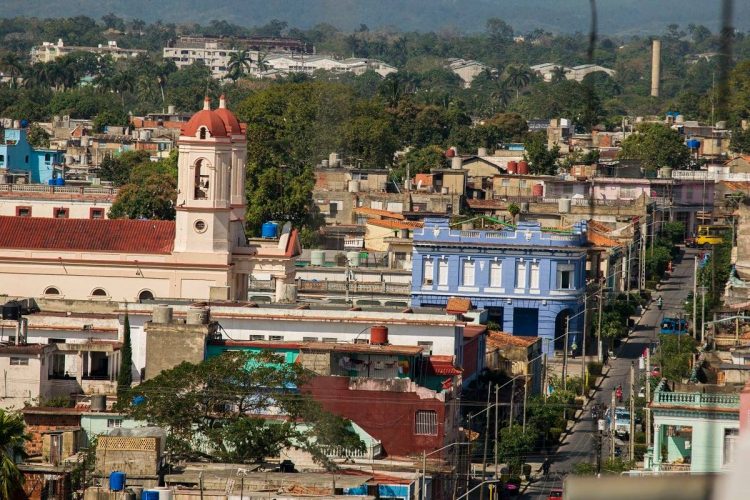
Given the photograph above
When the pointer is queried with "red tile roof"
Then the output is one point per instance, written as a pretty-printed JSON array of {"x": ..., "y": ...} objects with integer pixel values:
[
  {"x": 442, "y": 365},
  {"x": 457, "y": 305},
  {"x": 599, "y": 240},
  {"x": 376, "y": 212},
  {"x": 395, "y": 224},
  {"x": 93, "y": 235},
  {"x": 499, "y": 340}
]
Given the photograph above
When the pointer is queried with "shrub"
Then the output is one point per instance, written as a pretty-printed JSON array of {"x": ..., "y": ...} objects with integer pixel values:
[{"x": 595, "y": 369}]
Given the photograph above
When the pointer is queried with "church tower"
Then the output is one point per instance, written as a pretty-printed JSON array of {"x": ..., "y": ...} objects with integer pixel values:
[{"x": 211, "y": 180}]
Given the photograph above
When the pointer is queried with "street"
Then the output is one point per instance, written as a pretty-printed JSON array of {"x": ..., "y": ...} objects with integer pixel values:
[{"x": 580, "y": 444}]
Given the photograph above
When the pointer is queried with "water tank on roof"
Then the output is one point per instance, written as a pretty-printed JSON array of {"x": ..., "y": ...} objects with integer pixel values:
[
  {"x": 197, "y": 315},
  {"x": 117, "y": 481},
  {"x": 59, "y": 181},
  {"x": 693, "y": 143},
  {"x": 324, "y": 163},
  {"x": 353, "y": 258},
  {"x": 523, "y": 168},
  {"x": 457, "y": 162},
  {"x": 537, "y": 190},
  {"x": 354, "y": 186},
  {"x": 317, "y": 257},
  {"x": 51, "y": 182},
  {"x": 12, "y": 310},
  {"x": 164, "y": 493},
  {"x": 150, "y": 495},
  {"x": 450, "y": 153},
  {"x": 512, "y": 167},
  {"x": 98, "y": 402},
  {"x": 524, "y": 207},
  {"x": 379, "y": 335},
  {"x": 563, "y": 205},
  {"x": 162, "y": 314},
  {"x": 269, "y": 230},
  {"x": 665, "y": 173},
  {"x": 24, "y": 123},
  {"x": 722, "y": 125}
]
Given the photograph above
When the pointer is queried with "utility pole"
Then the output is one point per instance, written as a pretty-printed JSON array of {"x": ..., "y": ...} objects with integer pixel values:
[
  {"x": 600, "y": 357},
  {"x": 632, "y": 411},
  {"x": 627, "y": 274},
  {"x": 565, "y": 354},
  {"x": 703, "y": 314},
  {"x": 612, "y": 423},
  {"x": 583, "y": 344},
  {"x": 468, "y": 458},
  {"x": 695, "y": 294},
  {"x": 512, "y": 393},
  {"x": 544, "y": 379},
  {"x": 423, "y": 496},
  {"x": 497, "y": 435},
  {"x": 525, "y": 399},
  {"x": 486, "y": 440},
  {"x": 648, "y": 397}
]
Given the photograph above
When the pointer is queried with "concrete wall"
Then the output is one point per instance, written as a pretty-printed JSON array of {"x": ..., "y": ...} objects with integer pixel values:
[
  {"x": 77, "y": 209},
  {"x": 168, "y": 345}
]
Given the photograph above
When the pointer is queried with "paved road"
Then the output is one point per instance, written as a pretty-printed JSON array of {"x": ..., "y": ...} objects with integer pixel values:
[{"x": 580, "y": 444}]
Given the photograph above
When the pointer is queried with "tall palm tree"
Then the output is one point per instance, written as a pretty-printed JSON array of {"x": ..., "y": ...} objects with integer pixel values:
[
  {"x": 12, "y": 438},
  {"x": 262, "y": 62},
  {"x": 11, "y": 63},
  {"x": 240, "y": 62},
  {"x": 500, "y": 95},
  {"x": 558, "y": 74},
  {"x": 519, "y": 77}
]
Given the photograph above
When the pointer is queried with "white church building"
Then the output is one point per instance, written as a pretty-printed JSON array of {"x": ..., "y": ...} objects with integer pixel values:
[{"x": 203, "y": 254}]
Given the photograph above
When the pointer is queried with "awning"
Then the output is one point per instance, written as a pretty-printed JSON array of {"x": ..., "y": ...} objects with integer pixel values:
[{"x": 442, "y": 365}]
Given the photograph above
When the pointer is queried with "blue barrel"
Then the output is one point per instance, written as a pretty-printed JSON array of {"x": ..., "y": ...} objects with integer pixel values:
[
  {"x": 117, "y": 481},
  {"x": 150, "y": 495},
  {"x": 269, "y": 230},
  {"x": 59, "y": 181},
  {"x": 138, "y": 400},
  {"x": 51, "y": 182},
  {"x": 693, "y": 143}
]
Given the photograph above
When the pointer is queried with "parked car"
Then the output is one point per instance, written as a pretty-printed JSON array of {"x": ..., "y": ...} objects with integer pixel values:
[{"x": 622, "y": 422}]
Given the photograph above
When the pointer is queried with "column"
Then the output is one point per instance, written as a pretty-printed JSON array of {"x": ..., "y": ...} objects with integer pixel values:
[{"x": 657, "y": 446}]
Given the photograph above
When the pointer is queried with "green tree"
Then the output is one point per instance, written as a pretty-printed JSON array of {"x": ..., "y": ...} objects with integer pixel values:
[
  {"x": 38, "y": 137},
  {"x": 541, "y": 159},
  {"x": 519, "y": 77},
  {"x": 674, "y": 231},
  {"x": 125, "y": 377},
  {"x": 656, "y": 146},
  {"x": 419, "y": 161},
  {"x": 240, "y": 63},
  {"x": 12, "y": 64},
  {"x": 12, "y": 439},
  {"x": 514, "y": 445},
  {"x": 117, "y": 169},
  {"x": 675, "y": 354},
  {"x": 151, "y": 193},
  {"x": 740, "y": 142},
  {"x": 216, "y": 403}
]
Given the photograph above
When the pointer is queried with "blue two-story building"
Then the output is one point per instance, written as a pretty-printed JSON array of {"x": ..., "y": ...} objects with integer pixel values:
[
  {"x": 530, "y": 280},
  {"x": 18, "y": 156}
]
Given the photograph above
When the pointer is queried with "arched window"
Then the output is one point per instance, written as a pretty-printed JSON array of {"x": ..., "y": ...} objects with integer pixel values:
[
  {"x": 200, "y": 181},
  {"x": 145, "y": 295},
  {"x": 202, "y": 132},
  {"x": 99, "y": 292},
  {"x": 51, "y": 290}
]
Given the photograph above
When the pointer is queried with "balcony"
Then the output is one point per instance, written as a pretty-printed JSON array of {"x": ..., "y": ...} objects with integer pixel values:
[
  {"x": 685, "y": 468},
  {"x": 698, "y": 400}
]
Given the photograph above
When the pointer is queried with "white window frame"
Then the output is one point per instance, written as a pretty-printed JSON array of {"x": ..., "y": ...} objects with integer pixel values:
[
  {"x": 428, "y": 275},
  {"x": 19, "y": 361},
  {"x": 425, "y": 423},
  {"x": 561, "y": 268},
  {"x": 443, "y": 272},
  {"x": 520, "y": 278},
  {"x": 496, "y": 274},
  {"x": 114, "y": 423},
  {"x": 534, "y": 276},
  {"x": 468, "y": 272}
]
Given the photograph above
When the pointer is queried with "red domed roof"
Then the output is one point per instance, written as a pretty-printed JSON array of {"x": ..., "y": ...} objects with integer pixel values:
[
  {"x": 205, "y": 118},
  {"x": 230, "y": 121}
]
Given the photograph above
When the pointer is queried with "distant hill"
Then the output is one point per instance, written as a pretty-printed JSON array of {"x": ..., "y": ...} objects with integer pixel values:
[{"x": 615, "y": 16}]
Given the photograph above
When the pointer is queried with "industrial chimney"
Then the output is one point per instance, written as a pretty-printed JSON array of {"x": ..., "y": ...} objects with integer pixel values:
[{"x": 655, "y": 67}]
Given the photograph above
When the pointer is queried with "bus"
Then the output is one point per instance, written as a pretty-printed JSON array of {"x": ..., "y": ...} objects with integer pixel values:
[
  {"x": 712, "y": 235},
  {"x": 670, "y": 326}
]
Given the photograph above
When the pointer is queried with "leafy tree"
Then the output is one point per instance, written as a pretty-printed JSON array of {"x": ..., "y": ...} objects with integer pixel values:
[
  {"x": 38, "y": 137},
  {"x": 740, "y": 142},
  {"x": 117, "y": 169},
  {"x": 499, "y": 32},
  {"x": 125, "y": 377},
  {"x": 656, "y": 146},
  {"x": 675, "y": 355},
  {"x": 240, "y": 62},
  {"x": 657, "y": 261},
  {"x": 419, "y": 161},
  {"x": 514, "y": 445},
  {"x": 519, "y": 77},
  {"x": 674, "y": 231},
  {"x": 12, "y": 439},
  {"x": 514, "y": 210},
  {"x": 151, "y": 193},
  {"x": 11, "y": 63},
  {"x": 541, "y": 159},
  {"x": 559, "y": 74},
  {"x": 110, "y": 118},
  {"x": 216, "y": 403},
  {"x": 370, "y": 140}
]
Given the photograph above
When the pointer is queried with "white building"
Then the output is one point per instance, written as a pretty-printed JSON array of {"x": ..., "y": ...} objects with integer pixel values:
[
  {"x": 467, "y": 70},
  {"x": 39, "y": 200},
  {"x": 578, "y": 73},
  {"x": 48, "y": 51}
]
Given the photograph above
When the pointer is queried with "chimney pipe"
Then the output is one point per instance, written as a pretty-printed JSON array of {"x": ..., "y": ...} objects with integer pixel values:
[{"x": 655, "y": 67}]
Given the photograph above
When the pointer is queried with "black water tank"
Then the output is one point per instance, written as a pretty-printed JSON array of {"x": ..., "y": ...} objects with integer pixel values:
[{"x": 12, "y": 310}]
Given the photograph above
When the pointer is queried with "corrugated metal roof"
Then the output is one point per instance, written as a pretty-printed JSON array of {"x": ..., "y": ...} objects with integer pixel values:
[{"x": 95, "y": 235}]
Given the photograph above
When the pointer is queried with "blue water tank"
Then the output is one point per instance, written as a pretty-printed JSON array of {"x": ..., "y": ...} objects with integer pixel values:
[
  {"x": 24, "y": 123},
  {"x": 693, "y": 143},
  {"x": 150, "y": 495},
  {"x": 59, "y": 181},
  {"x": 51, "y": 182},
  {"x": 117, "y": 481},
  {"x": 139, "y": 400},
  {"x": 269, "y": 230}
]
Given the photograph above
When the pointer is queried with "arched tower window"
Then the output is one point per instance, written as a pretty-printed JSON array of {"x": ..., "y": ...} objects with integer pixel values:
[
  {"x": 202, "y": 132},
  {"x": 99, "y": 292},
  {"x": 146, "y": 295},
  {"x": 51, "y": 291},
  {"x": 201, "y": 181}
]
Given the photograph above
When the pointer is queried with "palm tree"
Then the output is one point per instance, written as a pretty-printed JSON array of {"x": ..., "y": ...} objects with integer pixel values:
[
  {"x": 558, "y": 74},
  {"x": 262, "y": 62},
  {"x": 12, "y": 438},
  {"x": 501, "y": 95},
  {"x": 519, "y": 77},
  {"x": 239, "y": 63},
  {"x": 392, "y": 90},
  {"x": 11, "y": 63}
]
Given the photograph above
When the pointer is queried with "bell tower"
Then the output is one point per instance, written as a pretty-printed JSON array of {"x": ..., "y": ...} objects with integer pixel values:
[{"x": 207, "y": 158}]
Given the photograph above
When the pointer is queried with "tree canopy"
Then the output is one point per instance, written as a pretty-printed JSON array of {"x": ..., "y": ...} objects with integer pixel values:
[
  {"x": 656, "y": 146},
  {"x": 150, "y": 191},
  {"x": 221, "y": 408}
]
